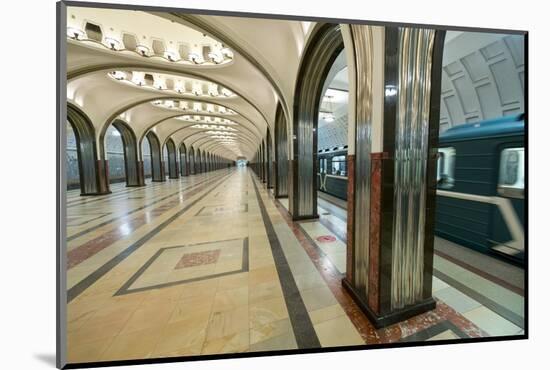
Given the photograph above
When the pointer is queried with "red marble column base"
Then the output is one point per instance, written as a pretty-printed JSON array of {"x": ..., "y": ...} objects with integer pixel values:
[
  {"x": 381, "y": 321},
  {"x": 102, "y": 171}
]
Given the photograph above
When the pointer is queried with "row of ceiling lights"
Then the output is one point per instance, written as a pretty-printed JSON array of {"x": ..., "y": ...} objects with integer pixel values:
[
  {"x": 215, "y": 56},
  {"x": 161, "y": 83},
  {"x": 194, "y": 106}
]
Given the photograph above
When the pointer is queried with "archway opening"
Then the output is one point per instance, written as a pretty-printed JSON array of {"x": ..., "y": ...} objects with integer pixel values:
[
  {"x": 114, "y": 153},
  {"x": 71, "y": 154},
  {"x": 156, "y": 157},
  {"x": 324, "y": 47},
  {"x": 146, "y": 157},
  {"x": 332, "y": 140},
  {"x": 183, "y": 161},
  {"x": 84, "y": 146}
]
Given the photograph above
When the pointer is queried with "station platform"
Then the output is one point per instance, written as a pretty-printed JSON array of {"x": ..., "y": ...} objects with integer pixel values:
[{"x": 212, "y": 263}]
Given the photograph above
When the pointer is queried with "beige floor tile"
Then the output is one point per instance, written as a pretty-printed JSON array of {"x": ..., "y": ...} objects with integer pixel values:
[
  {"x": 262, "y": 275},
  {"x": 230, "y": 299},
  {"x": 338, "y": 332},
  {"x": 225, "y": 323},
  {"x": 233, "y": 343},
  {"x": 318, "y": 298},
  {"x": 233, "y": 281},
  {"x": 135, "y": 345},
  {"x": 264, "y": 291},
  {"x": 490, "y": 322},
  {"x": 267, "y": 311},
  {"x": 87, "y": 352},
  {"x": 326, "y": 313},
  {"x": 181, "y": 336},
  {"x": 196, "y": 308},
  {"x": 269, "y": 330},
  {"x": 149, "y": 317}
]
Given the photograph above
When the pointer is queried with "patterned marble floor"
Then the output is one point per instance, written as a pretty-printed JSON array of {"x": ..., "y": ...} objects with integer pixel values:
[
  {"x": 487, "y": 292},
  {"x": 210, "y": 264}
]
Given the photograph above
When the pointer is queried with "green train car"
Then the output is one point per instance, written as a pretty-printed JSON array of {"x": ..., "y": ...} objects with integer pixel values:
[{"x": 480, "y": 186}]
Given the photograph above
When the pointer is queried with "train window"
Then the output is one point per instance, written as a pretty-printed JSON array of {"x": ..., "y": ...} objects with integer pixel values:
[
  {"x": 322, "y": 165},
  {"x": 446, "y": 167},
  {"x": 339, "y": 165},
  {"x": 511, "y": 173}
]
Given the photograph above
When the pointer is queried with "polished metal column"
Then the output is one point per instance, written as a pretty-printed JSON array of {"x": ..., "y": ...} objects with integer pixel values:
[
  {"x": 131, "y": 163},
  {"x": 281, "y": 154},
  {"x": 394, "y": 196},
  {"x": 269, "y": 158},
  {"x": 86, "y": 150},
  {"x": 156, "y": 157},
  {"x": 322, "y": 48},
  {"x": 362, "y": 39}
]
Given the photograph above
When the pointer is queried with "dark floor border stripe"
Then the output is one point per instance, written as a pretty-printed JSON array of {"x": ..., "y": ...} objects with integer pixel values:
[
  {"x": 85, "y": 283},
  {"x": 490, "y": 304},
  {"x": 305, "y": 334},
  {"x": 434, "y": 330},
  {"x": 484, "y": 274},
  {"x": 125, "y": 289},
  {"x": 179, "y": 191}
]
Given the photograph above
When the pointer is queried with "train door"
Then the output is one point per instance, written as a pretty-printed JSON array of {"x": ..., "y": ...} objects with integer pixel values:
[{"x": 507, "y": 229}]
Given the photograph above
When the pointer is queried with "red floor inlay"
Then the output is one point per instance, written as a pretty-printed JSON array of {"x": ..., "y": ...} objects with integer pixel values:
[
  {"x": 127, "y": 227},
  {"x": 325, "y": 239},
  {"x": 198, "y": 259},
  {"x": 368, "y": 332}
]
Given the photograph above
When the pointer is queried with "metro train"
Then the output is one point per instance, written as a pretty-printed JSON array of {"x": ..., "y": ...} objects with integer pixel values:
[{"x": 480, "y": 185}]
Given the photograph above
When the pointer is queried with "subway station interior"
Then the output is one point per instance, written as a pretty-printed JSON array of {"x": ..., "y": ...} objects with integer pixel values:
[{"x": 240, "y": 184}]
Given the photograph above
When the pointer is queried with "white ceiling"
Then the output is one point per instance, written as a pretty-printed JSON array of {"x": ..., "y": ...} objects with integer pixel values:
[{"x": 260, "y": 78}]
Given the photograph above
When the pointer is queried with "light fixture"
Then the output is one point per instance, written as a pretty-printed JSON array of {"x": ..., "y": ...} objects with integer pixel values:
[
  {"x": 143, "y": 50},
  {"x": 75, "y": 33},
  {"x": 118, "y": 75},
  {"x": 195, "y": 58},
  {"x": 215, "y": 57},
  {"x": 113, "y": 43},
  {"x": 171, "y": 56},
  {"x": 197, "y": 89},
  {"x": 138, "y": 78},
  {"x": 226, "y": 52},
  {"x": 328, "y": 116},
  {"x": 213, "y": 90},
  {"x": 226, "y": 92},
  {"x": 179, "y": 87}
]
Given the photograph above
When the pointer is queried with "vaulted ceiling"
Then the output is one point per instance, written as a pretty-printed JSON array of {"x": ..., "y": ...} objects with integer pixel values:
[{"x": 207, "y": 81}]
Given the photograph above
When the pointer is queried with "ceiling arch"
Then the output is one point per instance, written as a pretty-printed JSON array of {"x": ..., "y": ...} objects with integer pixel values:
[{"x": 259, "y": 80}]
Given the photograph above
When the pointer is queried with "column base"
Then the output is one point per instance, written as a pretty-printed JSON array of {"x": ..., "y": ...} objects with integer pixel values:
[
  {"x": 135, "y": 186},
  {"x": 381, "y": 321},
  {"x": 281, "y": 196},
  {"x": 98, "y": 193},
  {"x": 174, "y": 178},
  {"x": 306, "y": 217},
  {"x": 159, "y": 180}
]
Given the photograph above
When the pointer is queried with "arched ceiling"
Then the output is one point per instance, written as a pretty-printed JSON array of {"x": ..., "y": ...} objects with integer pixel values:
[
  {"x": 256, "y": 60},
  {"x": 333, "y": 117},
  {"x": 483, "y": 77}
]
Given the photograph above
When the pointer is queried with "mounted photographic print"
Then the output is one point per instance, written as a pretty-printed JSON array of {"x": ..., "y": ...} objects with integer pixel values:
[{"x": 233, "y": 185}]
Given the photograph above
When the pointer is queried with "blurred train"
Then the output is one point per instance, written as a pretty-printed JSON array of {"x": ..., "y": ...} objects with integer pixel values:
[{"x": 480, "y": 185}]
